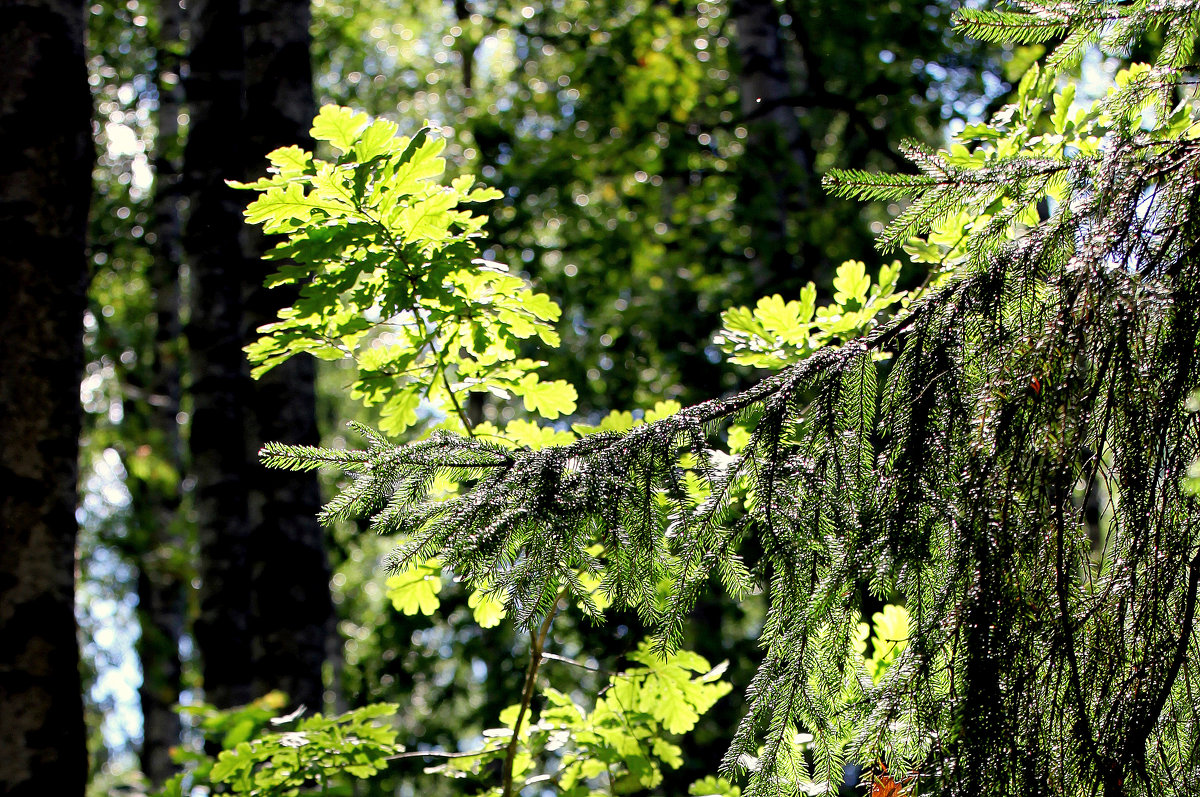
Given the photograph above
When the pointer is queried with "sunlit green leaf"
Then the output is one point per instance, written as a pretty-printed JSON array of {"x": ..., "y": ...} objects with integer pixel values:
[{"x": 415, "y": 590}]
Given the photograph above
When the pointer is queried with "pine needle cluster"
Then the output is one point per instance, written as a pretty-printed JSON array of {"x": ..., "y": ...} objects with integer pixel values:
[{"x": 1011, "y": 471}]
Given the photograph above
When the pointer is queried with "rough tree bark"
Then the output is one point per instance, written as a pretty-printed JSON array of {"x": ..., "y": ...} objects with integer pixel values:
[
  {"x": 293, "y": 610},
  {"x": 219, "y": 449},
  {"x": 45, "y": 187},
  {"x": 266, "y": 611}
]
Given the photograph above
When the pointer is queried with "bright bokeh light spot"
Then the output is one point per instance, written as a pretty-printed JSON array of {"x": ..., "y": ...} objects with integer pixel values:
[{"x": 122, "y": 140}]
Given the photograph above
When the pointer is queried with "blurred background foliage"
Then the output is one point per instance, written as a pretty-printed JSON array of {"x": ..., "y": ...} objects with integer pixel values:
[
  {"x": 627, "y": 148},
  {"x": 660, "y": 163}
]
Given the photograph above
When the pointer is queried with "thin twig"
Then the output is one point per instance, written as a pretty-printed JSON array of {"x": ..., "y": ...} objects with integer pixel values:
[
  {"x": 576, "y": 663},
  {"x": 537, "y": 642},
  {"x": 462, "y": 415},
  {"x": 440, "y": 754}
]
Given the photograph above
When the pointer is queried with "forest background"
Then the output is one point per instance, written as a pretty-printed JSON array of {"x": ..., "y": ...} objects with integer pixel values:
[{"x": 659, "y": 163}]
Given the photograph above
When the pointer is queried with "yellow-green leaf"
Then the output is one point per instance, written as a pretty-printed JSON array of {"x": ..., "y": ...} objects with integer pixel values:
[
  {"x": 291, "y": 161},
  {"x": 379, "y": 138},
  {"x": 548, "y": 399},
  {"x": 487, "y": 609},
  {"x": 416, "y": 589},
  {"x": 339, "y": 126},
  {"x": 851, "y": 282}
]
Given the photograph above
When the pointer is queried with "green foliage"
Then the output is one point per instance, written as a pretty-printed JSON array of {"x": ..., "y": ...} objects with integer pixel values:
[
  {"x": 889, "y": 630},
  {"x": 287, "y": 762},
  {"x": 980, "y": 196},
  {"x": 634, "y": 177},
  {"x": 260, "y": 758},
  {"x": 620, "y": 744},
  {"x": 337, "y": 226},
  {"x": 714, "y": 787},
  {"x": 776, "y": 334},
  {"x": 1052, "y": 357},
  {"x": 226, "y": 729},
  {"x": 415, "y": 588},
  {"x": 390, "y": 276},
  {"x": 548, "y": 93},
  {"x": 1116, "y": 26},
  {"x": 1191, "y": 480}
]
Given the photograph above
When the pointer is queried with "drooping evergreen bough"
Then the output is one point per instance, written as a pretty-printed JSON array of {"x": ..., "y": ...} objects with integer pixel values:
[{"x": 1014, "y": 472}]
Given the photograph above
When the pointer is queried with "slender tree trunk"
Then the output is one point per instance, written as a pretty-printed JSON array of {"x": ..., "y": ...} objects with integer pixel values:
[
  {"x": 775, "y": 171},
  {"x": 219, "y": 448},
  {"x": 45, "y": 187},
  {"x": 161, "y": 597},
  {"x": 290, "y": 567}
]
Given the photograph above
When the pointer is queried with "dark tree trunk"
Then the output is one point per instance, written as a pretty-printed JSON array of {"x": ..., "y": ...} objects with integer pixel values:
[
  {"x": 219, "y": 448},
  {"x": 775, "y": 171},
  {"x": 290, "y": 576},
  {"x": 45, "y": 187},
  {"x": 265, "y": 604},
  {"x": 161, "y": 597}
]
